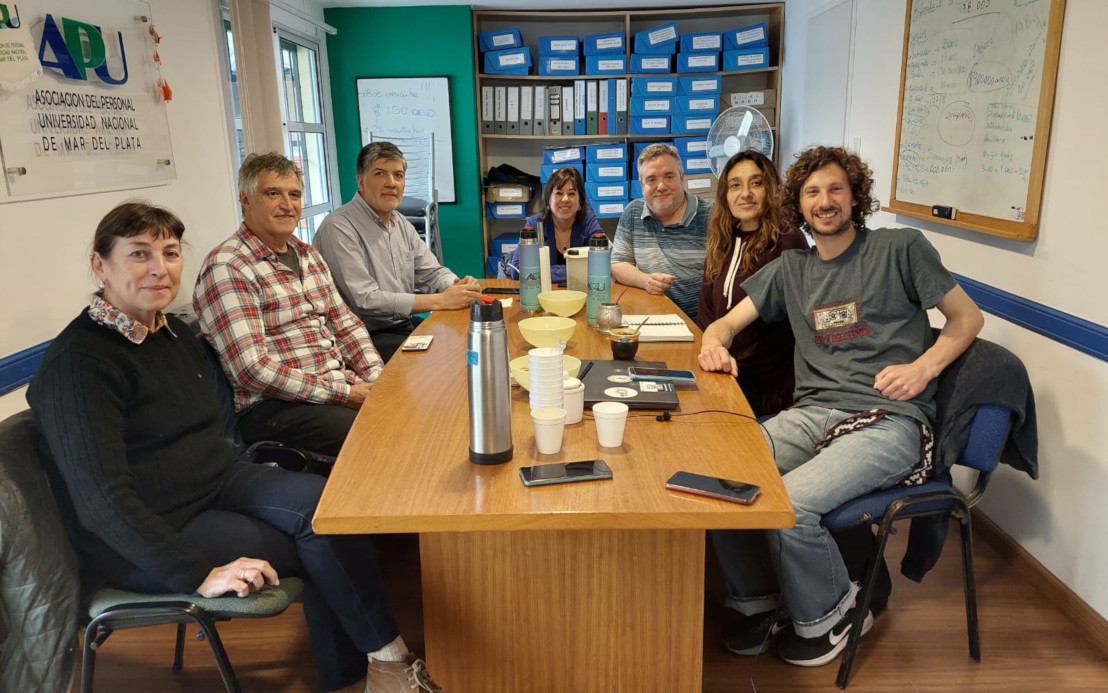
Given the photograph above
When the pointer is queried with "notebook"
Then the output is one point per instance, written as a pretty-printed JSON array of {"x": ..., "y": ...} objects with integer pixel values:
[
  {"x": 607, "y": 381},
  {"x": 660, "y": 328}
]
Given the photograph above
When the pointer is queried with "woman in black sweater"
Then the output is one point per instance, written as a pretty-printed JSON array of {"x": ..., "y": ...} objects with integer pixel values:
[{"x": 131, "y": 431}]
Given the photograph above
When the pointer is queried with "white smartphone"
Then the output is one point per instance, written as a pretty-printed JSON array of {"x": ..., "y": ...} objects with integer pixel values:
[
  {"x": 417, "y": 342},
  {"x": 664, "y": 374}
]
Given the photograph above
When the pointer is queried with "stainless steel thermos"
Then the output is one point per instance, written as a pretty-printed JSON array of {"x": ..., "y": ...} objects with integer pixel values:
[{"x": 490, "y": 392}]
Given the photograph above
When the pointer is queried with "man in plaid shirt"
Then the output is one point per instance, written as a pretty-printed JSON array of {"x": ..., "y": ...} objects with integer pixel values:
[{"x": 300, "y": 361}]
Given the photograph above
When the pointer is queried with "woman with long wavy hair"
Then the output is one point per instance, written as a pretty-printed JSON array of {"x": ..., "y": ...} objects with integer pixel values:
[{"x": 745, "y": 233}]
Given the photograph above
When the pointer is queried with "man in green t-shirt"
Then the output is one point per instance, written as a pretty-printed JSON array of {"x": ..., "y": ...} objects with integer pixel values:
[{"x": 865, "y": 365}]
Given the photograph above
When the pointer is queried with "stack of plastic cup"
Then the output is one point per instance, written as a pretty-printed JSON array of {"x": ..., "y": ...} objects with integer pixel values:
[{"x": 545, "y": 373}]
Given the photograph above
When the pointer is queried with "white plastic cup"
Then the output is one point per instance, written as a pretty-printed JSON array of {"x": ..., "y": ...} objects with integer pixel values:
[
  {"x": 573, "y": 400},
  {"x": 610, "y": 418},
  {"x": 549, "y": 423}
]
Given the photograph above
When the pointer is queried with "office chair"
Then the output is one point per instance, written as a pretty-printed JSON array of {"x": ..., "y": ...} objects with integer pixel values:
[
  {"x": 987, "y": 436},
  {"x": 26, "y": 492}
]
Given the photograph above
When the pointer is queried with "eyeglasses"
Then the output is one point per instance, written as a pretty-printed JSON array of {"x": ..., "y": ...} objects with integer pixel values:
[{"x": 653, "y": 181}]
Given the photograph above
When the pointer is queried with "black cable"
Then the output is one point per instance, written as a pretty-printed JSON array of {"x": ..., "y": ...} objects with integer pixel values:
[{"x": 666, "y": 416}]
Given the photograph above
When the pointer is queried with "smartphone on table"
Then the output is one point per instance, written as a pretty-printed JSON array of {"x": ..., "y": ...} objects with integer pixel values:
[
  {"x": 565, "y": 472},
  {"x": 662, "y": 374},
  {"x": 417, "y": 342},
  {"x": 714, "y": 487}
]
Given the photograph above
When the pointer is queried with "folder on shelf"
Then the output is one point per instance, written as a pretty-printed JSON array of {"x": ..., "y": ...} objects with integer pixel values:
[
  {"x": 602, "y": 107},
  {"x": 554, "y": 110},
  {"x": 579, "y": 108},
  {"x": 488, "y": 116},
  {"x": 590, "y": 107},
  {"x": 540, "y": 110},
  {"x": 621, "y": 106},
  {"x": 569, "y": 110},
  {"x": 526, "y": 110},
  {"x": 512, "y": 120},
  {"x": 500, "y": 109},
  {"x": 610, "y": 107}
]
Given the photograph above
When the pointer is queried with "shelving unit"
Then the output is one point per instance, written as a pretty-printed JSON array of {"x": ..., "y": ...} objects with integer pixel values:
[{"x": 525, "y": 151}]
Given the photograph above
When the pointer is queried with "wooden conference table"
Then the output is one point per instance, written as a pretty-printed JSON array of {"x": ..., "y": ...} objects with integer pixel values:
[{"x": 590, "y": 587}]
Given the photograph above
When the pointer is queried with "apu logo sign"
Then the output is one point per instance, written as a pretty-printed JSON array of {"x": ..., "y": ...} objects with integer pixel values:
[{"x": 78, "y": 47}]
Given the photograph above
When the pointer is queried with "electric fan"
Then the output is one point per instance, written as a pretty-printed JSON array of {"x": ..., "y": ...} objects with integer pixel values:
[{"x": 735, "y": 130}]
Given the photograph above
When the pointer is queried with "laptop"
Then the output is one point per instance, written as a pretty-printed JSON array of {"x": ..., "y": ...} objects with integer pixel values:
[{"x": 608, "y": 381}]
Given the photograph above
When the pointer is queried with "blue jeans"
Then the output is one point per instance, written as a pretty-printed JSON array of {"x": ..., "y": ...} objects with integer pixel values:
[
  {"x": 800, "y": 568},
  {"x": 266, "y": 512}
]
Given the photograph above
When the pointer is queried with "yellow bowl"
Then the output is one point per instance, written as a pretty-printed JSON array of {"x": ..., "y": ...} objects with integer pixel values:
[
  {"x": 562, "y": 302},
  {"x": 518, "y": 365},
  {"x": 547, "y": 330}
]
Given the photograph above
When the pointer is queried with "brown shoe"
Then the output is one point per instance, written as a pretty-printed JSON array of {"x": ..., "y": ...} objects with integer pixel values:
[{"x": 400, "y": 677}]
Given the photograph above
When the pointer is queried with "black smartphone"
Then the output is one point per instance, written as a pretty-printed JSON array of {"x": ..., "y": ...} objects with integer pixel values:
[
  {"x": 500, "y": 290},
  {"x": 663, "y": 374},
  {"x": 565, "y": 472},
  {"x": 714, "y": 487}
]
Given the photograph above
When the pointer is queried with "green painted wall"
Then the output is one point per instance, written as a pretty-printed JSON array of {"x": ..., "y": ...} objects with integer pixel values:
[{"x": 413, "y": 42}]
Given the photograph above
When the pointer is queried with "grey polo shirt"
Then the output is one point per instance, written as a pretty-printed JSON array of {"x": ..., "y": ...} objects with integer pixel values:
[{"x": 378, "y": 268}]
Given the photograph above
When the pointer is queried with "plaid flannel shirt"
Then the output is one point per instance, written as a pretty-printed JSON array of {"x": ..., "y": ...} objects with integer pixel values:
[{"x": 280, "y": 336}]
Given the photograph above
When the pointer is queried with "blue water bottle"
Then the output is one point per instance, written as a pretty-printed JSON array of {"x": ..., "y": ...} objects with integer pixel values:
[
  {"x": 599, "y": 275},
  {"x": 529, "y": 274}
]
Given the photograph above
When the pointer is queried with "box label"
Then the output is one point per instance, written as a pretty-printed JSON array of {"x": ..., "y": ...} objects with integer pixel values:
[
  {"x": 563, "y": 64},
  {"x": 563, "y": 45},
  {"x": 656, "y": 63},
  {"x": 698, "y": 183},
  {"x": 703, "y": 85},
  {"x": 503, "y": 40},
  {"x": 697, "y": 146},
  {"x": 513, "y": 59},
  {"x": 698, "y": 123},
  {"x": 748, "y": 98},
  {"x": 610, "y": 42},
  {"x": 656, "y": 105},
  {"x": 612, "y": 153},
  {"x": 749, "y": 36},
  {"x": 702, "y": 104},
  {"x": 703, "y": 60},
  {"x": 508, "y": 209},
  {"x": 697, "y": 164},
  {"x": 613, "y": 64},
  {"x": 668, "y": 33},
  {"x": 565, "y": 155},
  {"x": 510, "y": 193},
  {"x": 609, "y": 191},
  {"x": 654, "y": 123},
  {"x": 752, "y": 59},
  {"x": 654, "y": 87},
  {"x": 610, "y": 207},
  {"x": 610, "y": 171},
  {"x": 703, "y": 43}
]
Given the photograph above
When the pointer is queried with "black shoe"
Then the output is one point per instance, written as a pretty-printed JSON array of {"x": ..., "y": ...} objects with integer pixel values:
[
  {"x": 753, "y": 634},
  {"x": 815, "y": 652}
]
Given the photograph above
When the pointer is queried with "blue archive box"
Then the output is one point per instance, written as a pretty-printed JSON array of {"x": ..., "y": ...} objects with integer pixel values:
[
  {"x": 500, "y": 39},
  {"x": 650, "y": 125},
  {"x": 697, "y": 62},
  {"x": 563, "y": 156},
  {"x": 651, "y": 105},
  {"x": 547, "y": 170},
  {"x": 645, "y": 63},
  {"x": 653, "y": 86},
  {"x": 559, "y": 65},
  {"x": 559, "y": 45},
  {"x": 605, "y": 64},
  {"x": 608, "y": 209},
  {"x": 692, "y": 124},
  {"x": 707, "y": 84},
  {"x": 691, "y": 147},
  {"x": 612, "y": 172},
  {"x": 616, "y": 190},
  {"x": 696, "y": 164},
  {"x": 504, "y": 244},
  {"x": 636, "y": 189},
  {"x": 660, "y": 39},
  {"x": 703, "y": 103},
  {"x": 606, "y": 153},
  {"x": 640, "y": 146},
  {"x": 747, "y": 59},
  {"x": 604, "y": 44},
  {"x": 506, "y": 210},
  {"x": 702, "y": 42},
  {"x": 513, "y": 61},
  {"x": 752, "y": 36}
]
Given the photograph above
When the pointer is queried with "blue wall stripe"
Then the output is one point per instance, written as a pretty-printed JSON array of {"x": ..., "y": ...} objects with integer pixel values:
[
  {"x": 1083, "y": 335},
  {"x": 16, "y": 370}
]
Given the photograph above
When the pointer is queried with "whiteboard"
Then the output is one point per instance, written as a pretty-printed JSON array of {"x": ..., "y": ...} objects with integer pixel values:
[
  {"x": 409, "y": 107},
  {"x": 975, "y": 109}
]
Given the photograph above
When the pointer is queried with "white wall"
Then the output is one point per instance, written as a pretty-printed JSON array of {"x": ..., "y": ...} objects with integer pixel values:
[
  {"x": 1061, "y": 518},
  {"x": 45, "y": 281}
]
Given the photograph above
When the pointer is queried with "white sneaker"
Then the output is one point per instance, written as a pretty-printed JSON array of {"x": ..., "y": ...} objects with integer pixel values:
[{"x": 400, "y": 677}]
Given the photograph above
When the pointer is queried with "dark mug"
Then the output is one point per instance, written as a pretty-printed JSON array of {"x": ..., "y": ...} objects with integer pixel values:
[{"x": 625, "y": 343}]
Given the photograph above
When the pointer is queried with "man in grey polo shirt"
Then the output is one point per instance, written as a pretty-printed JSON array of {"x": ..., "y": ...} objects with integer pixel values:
[
  {"x": 660, "y": 240},
  {"x": 382, "y": 268}
]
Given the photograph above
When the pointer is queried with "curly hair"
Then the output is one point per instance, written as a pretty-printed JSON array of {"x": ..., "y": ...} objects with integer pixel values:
[
  {"x": 722, "y": 225},
  {"x": 811, "y": 160}
]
